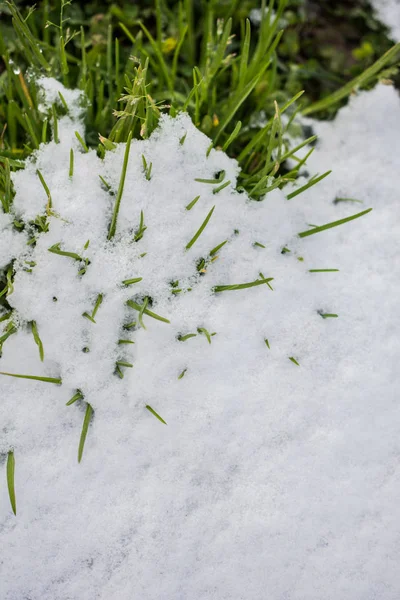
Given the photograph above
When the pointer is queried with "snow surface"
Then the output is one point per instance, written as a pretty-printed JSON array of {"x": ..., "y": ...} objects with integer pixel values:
[
  {"x": 388, "y": 11},
  {"x": 270, "y": 480}
]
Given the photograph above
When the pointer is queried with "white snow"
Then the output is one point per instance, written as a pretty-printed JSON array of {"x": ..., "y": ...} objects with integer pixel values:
[
  {"x": 270, "y": 480},
  {"x": 388, "y": 11}
]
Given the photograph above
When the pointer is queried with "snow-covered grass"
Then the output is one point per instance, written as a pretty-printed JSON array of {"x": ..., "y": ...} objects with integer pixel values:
[
  {"x": 270, "y": 475},
  {"x": 198, "y": 391}
]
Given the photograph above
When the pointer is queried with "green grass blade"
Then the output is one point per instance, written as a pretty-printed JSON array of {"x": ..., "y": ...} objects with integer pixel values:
[
  {"x": 56, "y": 380},
  {"x": 233, "y": 136},
  {"x": 11, "y": 480},
  {"x": 132, "y": 281},
  {"x": 218, "y": 179},
  {"x": 81, "y": 141},
  {"x": 294, "y": 361},
  {"x": 153, "y": 412},
  {"x": 37, "y": 339},
  {"x": 304, "y": 234},
  {"x": 323, "y": 270},
  {"x": 158, "y": 53},
  {"x": 55, "y": 249},
  {"x": 205, "y": 332},
  {"x": 244, "y": 57},
  {"x": 146, "y": 311},
  {"x": 85, "y": 427},
  {"x": 113, "y": 225},
  {"x": 241, "y": 286},
  {"x": 192, "y": 203},
  {"x": 308, "y": 185},
  {"x": 46, "y": 188},
  {"x": 200, "y": 230},
  {"x": 358, "y": 81},
  {"x": 71, "y": 163},
  {"x": 77, "y": 396}
]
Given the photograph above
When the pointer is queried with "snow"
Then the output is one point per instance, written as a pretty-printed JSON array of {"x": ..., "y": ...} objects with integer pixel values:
[
  {"x": 388, "y": 11},
  {"x": 270, "y": 479}
]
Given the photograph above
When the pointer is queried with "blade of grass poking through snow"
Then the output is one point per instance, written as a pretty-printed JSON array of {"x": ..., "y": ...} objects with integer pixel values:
[
  {"x": 267, "y": 344},
  {"x": 99, "y": 300},
  {"x": 323, "y": 270},
  {"x": 294, "y": 361},
  {"x": 355, "y": 83},
  {"x": 107, "y": 185},
  {"x": 200, "y": 230},
  {"x": 63, "y": 102},
  {"x": 44, "y": 131},
  {"x": 142, "y": 228},
  {"x": 205, "y": 332},
  {"x": 77, "y": 396},
  {"x": 146, "y": 311},
  {"x": 46, "y": 189},
  {"x": 305, "y": 187},
  {"x": 221, "y": 187},
  {"x": 153, "y": 412},
  {"x": 81, "y": 141},
  {"x": 328, "y": 315},
  {"x": 218, "y": 179},
  {"x": 183, "y": 338},
  {"x": 304, "y": 234},
  {"x": 182, "y": 374},
  {"x": 56, "y": 380},
  {"x": 113, "y": 226},
  {"x": 55, "y": 125},
  {"x": 192, "y": 203},
  {"x": 55, "y": 249},
  {"x": 71, "y": 163},
  {"x": 85, "y": 427},
  {"x": 337, "y": 200},
  {"x": 132, "y": 281},
  {"x": 141, "y": 311},
  {"x": 215, "y": 250},
  {"x": 241, "y": 286},
  {"x": 11, "y": 480},
  {"x": 37, "y": 339}
]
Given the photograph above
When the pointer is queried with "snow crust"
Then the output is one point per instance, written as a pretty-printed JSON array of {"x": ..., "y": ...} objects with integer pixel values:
[{"x": 271, "y": 480}]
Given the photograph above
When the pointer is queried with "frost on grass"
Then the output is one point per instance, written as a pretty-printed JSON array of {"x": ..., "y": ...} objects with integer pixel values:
[{"x": 269, "y": 475}]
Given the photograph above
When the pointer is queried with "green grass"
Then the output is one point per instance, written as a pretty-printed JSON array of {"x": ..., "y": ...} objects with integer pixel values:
[{"x": 138, "y": 60}]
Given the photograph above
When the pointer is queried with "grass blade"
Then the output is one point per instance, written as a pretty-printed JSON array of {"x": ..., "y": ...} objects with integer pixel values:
[
  {"x": 241, "y": 286},
  {"x": 146, "y": 311},
  {"x": 77, "y": 396},
  {"x": 56, "y": 380},
  {"x": 192, "y": 203},
  {"x": 200, "y": 230},
  {"x": 304, "y": 234},
  {"x": 153, "y": 412},
  {"x": 11, "y": 480},
  {"x": 362, "y": 79},
  {"x": 308, "y": 185},
  {"x": 322, "y": 270},
  {"x": 113, "y": 225},
  {"x": 37, "y": 339},
  {"x": 85, "y": 427}
]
